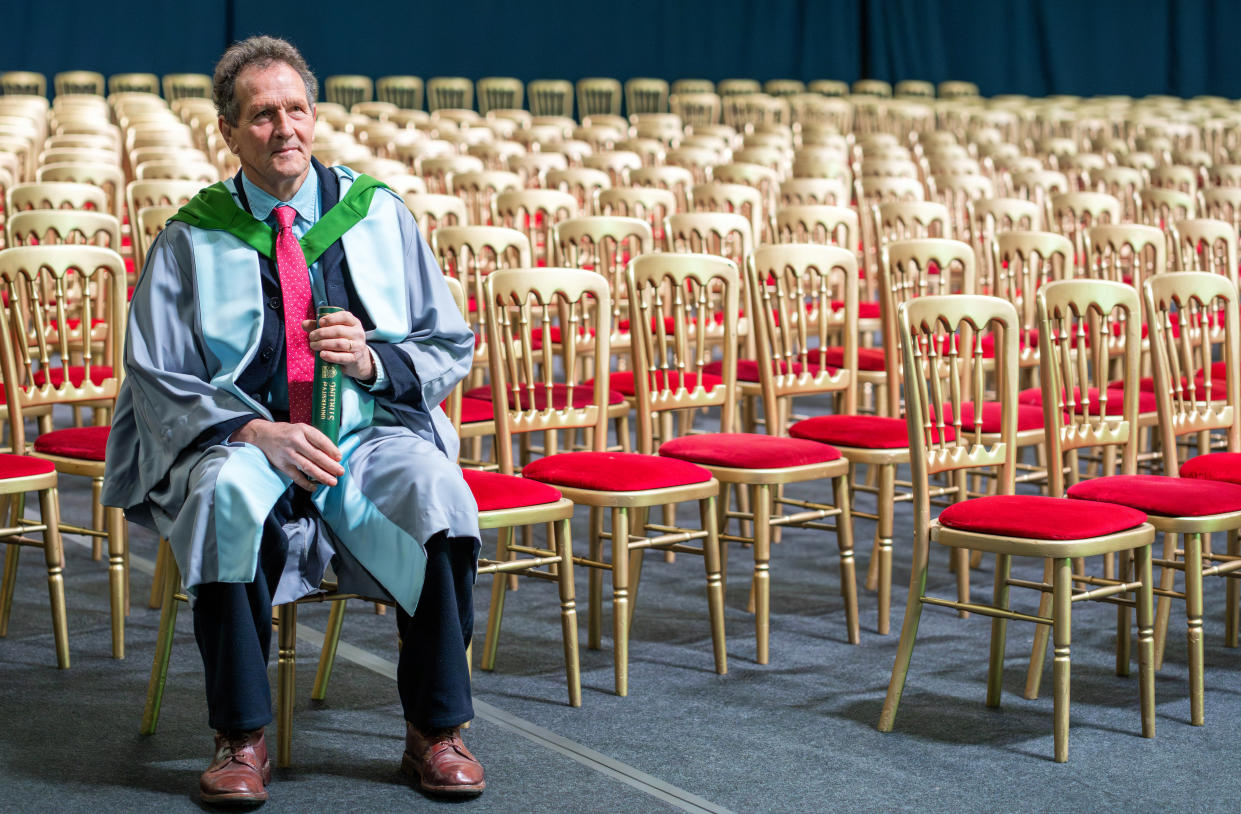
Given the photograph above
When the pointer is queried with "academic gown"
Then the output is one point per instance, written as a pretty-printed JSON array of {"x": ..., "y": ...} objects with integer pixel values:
[{"x": 195, "y": 340}]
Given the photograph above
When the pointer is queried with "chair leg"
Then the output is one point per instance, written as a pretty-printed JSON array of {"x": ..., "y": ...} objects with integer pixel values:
[
  {"x": 721, "y": 523},
  {"x": 286, "y": 681},
  {"x": 499, "y": 589},
  {"x": 1124, "y": 562},
  {"x": 999, "y": 630},
  {"x": 96, "y": 518},
  {"x": 883, "y": 532},
  {"x": 1231, "y": 607},
  {"x": 1163, "y": 606},
  {"x": 568, "y": 612},
  {"x": 909, "y": 633},
  {"x": 163, "y": 646},
  {"x": 620, "y": 597},
  {"x": 1062, "y": 596},
  {"x": 114, "y": 520},
  {"x": 715, "y": 588},
  {"x": 54, "y": 557},
  {"x": 327, "y": 654},
  {"x": 848, "y": 565},
  {"x": 1146, "y": 639},
  {"x": 1193, "y": 615},
  {"x": 157, "y": 579},
  {"x": 594, "y": 622},
  {"x": 760, "y": 499},
  {"x": 636, "y": 558},
  {"x": 1038, "y": 651},
  {"x": 12, "y": 556}
]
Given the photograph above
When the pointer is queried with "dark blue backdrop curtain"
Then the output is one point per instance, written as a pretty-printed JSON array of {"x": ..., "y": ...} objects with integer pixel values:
[{"x": 1182, "y": 47}]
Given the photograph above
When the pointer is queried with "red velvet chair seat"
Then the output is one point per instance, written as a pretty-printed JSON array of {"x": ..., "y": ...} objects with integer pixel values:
[
  {"x": 1161, "y": 495},
  {"x": 1219, "y": 381},
  {"x": 1115, "y": 400},
  {"x": 861, "y": 431},
  {"x": 474, "y": 410},
  {"x": 77, "y": 374},
  {"x": 22, "y": 466},
  {"x": 494, "y": 490},
  {"x": 88, "y": 443},
  {"x": 747, "y": 369},
  {"x": 867, "y": 358},
  {"x": 1028, "y": 417},
  {"x": 1221, "y": 466},
  {"x": 865, "y": 309},
  {"x": 583, "y": 396},
  {"x": 622, "y": 325},
  {"x": 614, "y": 471},
  {"x": 1036, "y": 517},
  {"x": 748, "y": 450},
  {"x": 622, "y": 381}
]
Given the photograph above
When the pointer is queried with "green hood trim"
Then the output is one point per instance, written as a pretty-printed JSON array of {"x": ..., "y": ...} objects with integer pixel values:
[{"x": 214, "y": 208}]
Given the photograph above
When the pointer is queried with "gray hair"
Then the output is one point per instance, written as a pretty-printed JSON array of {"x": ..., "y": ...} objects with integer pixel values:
[{"x": 260, "y": 52}]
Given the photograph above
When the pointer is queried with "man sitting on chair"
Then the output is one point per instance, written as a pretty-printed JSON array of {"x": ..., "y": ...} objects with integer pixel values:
[{"x": 212, "y": 444}]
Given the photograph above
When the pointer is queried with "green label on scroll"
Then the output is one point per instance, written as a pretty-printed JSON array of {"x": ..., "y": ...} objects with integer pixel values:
[{"x": 325, "y": 406}]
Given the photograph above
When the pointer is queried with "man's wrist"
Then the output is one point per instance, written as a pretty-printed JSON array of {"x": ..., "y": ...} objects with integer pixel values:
[{"x": 246, "y": 432}]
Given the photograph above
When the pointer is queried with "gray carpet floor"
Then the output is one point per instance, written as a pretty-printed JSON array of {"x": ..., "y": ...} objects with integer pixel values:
[{"x": 795, "y": 735}]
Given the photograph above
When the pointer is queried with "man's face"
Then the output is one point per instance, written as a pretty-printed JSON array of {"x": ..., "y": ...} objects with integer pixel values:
[{"x": 275, "y": 128}]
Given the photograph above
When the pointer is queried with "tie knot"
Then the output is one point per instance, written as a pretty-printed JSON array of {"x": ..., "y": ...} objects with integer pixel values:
[{"x": 285, "y": 215}]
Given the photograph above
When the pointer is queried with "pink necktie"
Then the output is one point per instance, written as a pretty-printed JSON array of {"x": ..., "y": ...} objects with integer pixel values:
[{"x": 295, "y": 291}]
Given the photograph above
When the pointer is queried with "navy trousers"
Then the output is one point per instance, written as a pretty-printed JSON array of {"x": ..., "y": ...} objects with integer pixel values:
[{"x": 232, "y": 624}]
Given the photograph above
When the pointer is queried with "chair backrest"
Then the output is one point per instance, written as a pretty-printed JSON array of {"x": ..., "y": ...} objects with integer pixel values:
[
  {"x": 1204, "y": 244},
  {"x": 133, "y": 83},
  {"x": 737, "y": 198},
  {"x": 804, "y": 300},
  {"x": 1176, "y": 177},
  {"x": 1126, "y": 252},
  {"x": 23, "y": 83},
  {"x": 818, "y": 223},
  {"x": 941, "y": 342},
  {"x": 1197, "y": 366},
  {"x": 1022, "y": 263},
  {"x": 469, "y": 253},
  {"x": 450, "y": 92},
  {"x": 499, "y": 92},
  {"x": 1082, "y": 324},
  {"x": 522, "y": 306},
  {"x": 671, "y": 298},
  {"x": 56, "y": 195},
  {"x": 1074, "y": 212},
  {"x": 583, "y": 183},
  {"x": 677, "y": 180},
  {"x": 183, "y": 85},
  {"x": 650, "y": 204},
  {"x": 550, "y": 97},
  {"x": 403, "y": 91},
  {"x": 433, "y": 210},
  {"x": 696, "y": 109},
  {"x": 535, "y": 212},
  {"x": 618, "y": 164},
  {"x": 62, "y": 329},
  {"x": 1160, "y": 207},
  {"x": 646, "y": 95},
  {"x": 813, "y": 191},
  {"x": 479, "y": 187},
  {"x": 908, "y": 270},
  {"x": 107, "y": 176},
  {"x": 597, "y": 95},
  {"x": 146, "y": 226},
  {"x": 40, "y": 227},
  {"x": 726, "y": 234},
  {"x": 84, "y": 82}
]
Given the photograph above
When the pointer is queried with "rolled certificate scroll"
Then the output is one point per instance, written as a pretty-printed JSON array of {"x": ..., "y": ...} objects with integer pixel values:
[{"x": 325, "y": 403}]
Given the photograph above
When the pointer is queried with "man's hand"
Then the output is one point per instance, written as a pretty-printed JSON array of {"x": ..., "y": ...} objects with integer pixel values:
[
  {"x": 340, "y": 339},
  {"x": 298, "y": 450}
]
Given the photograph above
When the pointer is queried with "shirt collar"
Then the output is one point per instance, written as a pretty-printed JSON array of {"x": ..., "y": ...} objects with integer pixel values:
[{"x": 305, "y": 200}]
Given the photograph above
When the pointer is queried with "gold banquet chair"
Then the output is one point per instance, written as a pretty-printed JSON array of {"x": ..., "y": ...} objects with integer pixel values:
[
  {"x": 1005, "y": 524},
  {"x": 529, "y": 397},
  {"x": 61, "y": 340}
]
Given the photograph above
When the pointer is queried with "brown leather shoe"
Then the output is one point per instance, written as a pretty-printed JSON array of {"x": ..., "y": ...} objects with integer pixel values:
[
  {"x": 440, "y": 763},
  {"x": 240, "y": 771}
]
